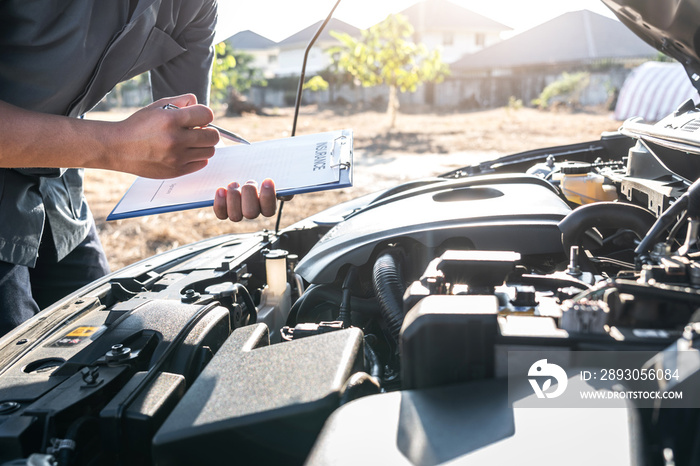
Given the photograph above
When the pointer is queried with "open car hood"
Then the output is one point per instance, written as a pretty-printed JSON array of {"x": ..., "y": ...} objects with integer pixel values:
[{"x": 670, "y": 26}]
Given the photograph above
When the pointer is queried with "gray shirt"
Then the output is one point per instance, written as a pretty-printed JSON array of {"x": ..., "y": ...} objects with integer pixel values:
[{"x": 62, "y": 57}]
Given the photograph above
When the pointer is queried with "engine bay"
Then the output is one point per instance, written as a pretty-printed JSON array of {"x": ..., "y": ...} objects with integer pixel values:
[{"x": 382, "y": 327}]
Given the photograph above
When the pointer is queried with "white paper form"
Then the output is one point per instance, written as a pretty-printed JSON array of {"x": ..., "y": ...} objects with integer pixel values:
[{"x": 295, "y": 164}]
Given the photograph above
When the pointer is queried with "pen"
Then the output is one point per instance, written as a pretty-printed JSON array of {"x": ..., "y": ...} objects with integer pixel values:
[{"x": 224, "y": 132}]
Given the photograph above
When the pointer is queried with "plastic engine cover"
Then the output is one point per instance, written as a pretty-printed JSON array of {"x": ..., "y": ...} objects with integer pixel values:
[
  {"x": 516, "y": 212},
  {"x": 474, "y": 424},
  {"x": 257, "y": 403}
]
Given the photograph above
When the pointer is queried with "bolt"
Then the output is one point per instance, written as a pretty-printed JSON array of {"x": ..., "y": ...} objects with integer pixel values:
[
  {"x": 574, "y": 269},
  {"x": 118, "y": 349},
  {"x": 190, "y": 296},
  {"x": 550, "y": 161},
  {"x": 118, "y": 352}
]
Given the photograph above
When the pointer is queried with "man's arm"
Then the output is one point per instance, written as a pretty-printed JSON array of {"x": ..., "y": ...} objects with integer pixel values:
[{"x": 153, "y": 142}]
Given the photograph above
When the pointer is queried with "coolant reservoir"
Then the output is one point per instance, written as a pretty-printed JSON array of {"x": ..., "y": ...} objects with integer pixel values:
[
  {"x": 276, "y": 298},
  {"x": 582, "y": 186}
]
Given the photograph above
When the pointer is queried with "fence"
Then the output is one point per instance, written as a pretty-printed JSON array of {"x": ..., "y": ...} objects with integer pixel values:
[{"x": 458, "y": 92}]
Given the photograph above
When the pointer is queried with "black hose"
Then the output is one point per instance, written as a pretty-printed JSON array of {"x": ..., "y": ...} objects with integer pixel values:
[
  {"x": 252, "y": 310},
  {"x": 66, "y": 450},
  {"x": 317, "y": 294},
  {"x": 344, "y": 313},
  {"x": 292, "y": 318},
  {"x": 603, "y": 215},
  {"x": 389, "y": 288},
  {"x": 375, "y": 367}
]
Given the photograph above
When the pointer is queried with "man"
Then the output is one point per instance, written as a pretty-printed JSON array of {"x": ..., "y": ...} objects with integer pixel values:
[{"x": 57, "y": 61}]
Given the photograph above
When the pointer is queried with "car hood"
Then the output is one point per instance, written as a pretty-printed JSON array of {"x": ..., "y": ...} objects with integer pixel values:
[{"x": 671, "y": 26}]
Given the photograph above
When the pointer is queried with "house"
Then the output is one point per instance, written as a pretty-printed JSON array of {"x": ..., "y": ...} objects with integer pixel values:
[
  {"x": 441, "y": 24},
  {"x": 437, "y": 24},
  {"x": 524, "y": 64},
  {"x": 451, "y": 28},
  {"x": 291, "y": 49},
  {"x": 264, "y": 51}
]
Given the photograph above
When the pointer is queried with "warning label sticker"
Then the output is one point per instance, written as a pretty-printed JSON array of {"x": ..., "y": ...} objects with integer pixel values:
[
  {"x": 82, "y": 332},
  {"x": 75, "y": 336}
]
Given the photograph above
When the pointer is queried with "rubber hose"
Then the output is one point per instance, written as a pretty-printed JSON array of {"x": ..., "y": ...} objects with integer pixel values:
[
  {"x": 603, "y": 215},
  {"x": 252, "y": 310},
  {"x": 375, "y": 367},
  {"x": 317, "y": 294},
  {"x": 345, "y": 306},
  {"x": 66, "y": 454},
  {"x": 388, "y": 286}
]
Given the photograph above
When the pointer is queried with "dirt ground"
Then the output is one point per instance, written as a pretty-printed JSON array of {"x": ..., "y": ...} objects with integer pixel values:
[{"x": 422, "y": 145}]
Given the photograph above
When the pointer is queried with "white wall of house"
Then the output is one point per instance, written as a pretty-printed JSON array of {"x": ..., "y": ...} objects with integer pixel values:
[
  {"x": 455, "y": 44},
  {"x": 265, "y": 60},
  {"x": 290, "y": 59}
]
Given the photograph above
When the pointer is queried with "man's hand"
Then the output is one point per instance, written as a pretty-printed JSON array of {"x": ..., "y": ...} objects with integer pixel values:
[
  {"x": 237, "y": 202},
  {"x": 160, "y": 143}
]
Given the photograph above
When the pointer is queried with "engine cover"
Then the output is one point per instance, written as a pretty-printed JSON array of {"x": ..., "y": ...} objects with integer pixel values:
[{"x": 516, "y": 212}]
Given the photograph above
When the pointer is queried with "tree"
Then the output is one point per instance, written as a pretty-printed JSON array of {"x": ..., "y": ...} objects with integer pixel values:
[
  {"x": 315, "y": 84},
  {"x": 233, "y": 74},
  {"x": 567, "y": 89},
  {"x": 385, "y": 54}
]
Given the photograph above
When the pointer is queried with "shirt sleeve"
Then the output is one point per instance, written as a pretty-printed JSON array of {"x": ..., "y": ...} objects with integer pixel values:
[{"x": 190, "y": 72}]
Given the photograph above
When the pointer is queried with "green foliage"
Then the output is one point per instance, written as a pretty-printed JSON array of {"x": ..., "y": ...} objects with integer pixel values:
[
  {"x": 315, "y": 84},
  {"x": 233, "y": 71},
  {"x": 514, "y": 103},
  {"x": 567, "y": 88},
  {"x": 222, "y": 67},
  {"x": 385, "y": 54}
]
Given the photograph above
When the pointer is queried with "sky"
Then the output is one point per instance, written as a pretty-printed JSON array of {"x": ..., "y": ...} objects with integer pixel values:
[{"x": 279, "y": 19}]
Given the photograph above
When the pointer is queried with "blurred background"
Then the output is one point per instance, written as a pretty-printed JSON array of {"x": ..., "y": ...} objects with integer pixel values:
[{"x": 426, "y": 86}]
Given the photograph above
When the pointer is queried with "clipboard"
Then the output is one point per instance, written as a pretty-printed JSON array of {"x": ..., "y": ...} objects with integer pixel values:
[{"x": 302, "y": 164}]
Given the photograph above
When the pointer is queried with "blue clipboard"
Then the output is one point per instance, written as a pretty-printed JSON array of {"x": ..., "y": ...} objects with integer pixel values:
[{"x": 340, "y": 156}]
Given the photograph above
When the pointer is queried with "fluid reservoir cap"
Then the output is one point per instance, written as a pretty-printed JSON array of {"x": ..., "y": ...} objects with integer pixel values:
[
  {"x": 275, "y": 253},
  {"x": 576, "y": 168}
]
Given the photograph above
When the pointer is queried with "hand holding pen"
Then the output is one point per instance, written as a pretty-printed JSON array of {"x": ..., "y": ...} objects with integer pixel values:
[
  {"x": 160, "y": 144},
  {"x": 224, "y": 132}
]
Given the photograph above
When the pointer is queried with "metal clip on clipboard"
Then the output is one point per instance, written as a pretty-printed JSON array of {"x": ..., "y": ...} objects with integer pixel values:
[{"x": 336, "y": 162}]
